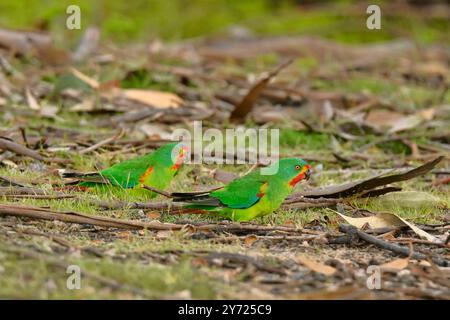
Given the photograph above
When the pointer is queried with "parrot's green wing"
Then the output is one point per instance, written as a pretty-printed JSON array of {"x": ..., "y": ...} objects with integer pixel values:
[
  {"x": 242, "y": 193},
  {"x": 128, "y": 173}
]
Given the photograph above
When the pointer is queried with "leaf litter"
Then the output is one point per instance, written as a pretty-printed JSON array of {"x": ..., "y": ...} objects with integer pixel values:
[{"x": 57, "y": 115}]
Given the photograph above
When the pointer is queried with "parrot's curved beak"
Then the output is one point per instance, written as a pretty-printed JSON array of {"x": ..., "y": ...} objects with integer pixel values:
[{"x": 308, "y": 173}]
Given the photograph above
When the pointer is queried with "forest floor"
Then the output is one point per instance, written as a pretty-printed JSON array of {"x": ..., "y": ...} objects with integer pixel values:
[{"x": 353, "y": 111}]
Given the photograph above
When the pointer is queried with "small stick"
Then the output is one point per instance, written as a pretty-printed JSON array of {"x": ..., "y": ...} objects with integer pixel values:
[
  {"x": 19, "y": 149},
  {"x": 103, "y": 142},
  {"x": 161, "y": 192},
  {"x": 40, "y": 196},
  {"x": 352, "y": 230}
]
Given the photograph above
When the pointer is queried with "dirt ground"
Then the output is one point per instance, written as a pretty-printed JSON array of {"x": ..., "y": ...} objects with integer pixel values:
[{"x": 372, "y": 116}]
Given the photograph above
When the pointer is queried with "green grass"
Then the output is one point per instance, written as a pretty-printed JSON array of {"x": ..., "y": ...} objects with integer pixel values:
[
  {"x": 179, "y": 19},
  {"x": 32, "y": 279},
  {"x": 130, "y": 255}
]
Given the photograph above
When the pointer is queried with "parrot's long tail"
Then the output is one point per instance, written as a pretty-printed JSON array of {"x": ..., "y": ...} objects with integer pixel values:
[
  {"x": 94, "y": 177},
  {"x": 197, "y": 197},
  {"x": 79, "y": 174},
  {"x": 199, "y": 200}
]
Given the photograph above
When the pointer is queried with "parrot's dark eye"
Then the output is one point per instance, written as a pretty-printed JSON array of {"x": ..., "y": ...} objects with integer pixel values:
[{"x": 297, "y": 167}]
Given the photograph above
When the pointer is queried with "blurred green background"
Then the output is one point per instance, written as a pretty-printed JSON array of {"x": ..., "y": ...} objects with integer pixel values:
[{"x": 137, "y": 20}]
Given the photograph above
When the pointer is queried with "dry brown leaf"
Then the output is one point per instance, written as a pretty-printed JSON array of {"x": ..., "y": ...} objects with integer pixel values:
[
  {"x": 157, "y": 99},
  {"x": 244, "y": 107},
  {"x": 289, "y": 223},
  {"x": 49, "y": 111},
  {"x": 395, "y": 265},
  {"x": 383, "y": 118},
  {"x": 153, "y": 215},
  {"x": 31, "y": 100},
  {"x": 432, "y": 68},
  {"x": 124, "y": 235},
  {"x": 316, "y": 266},
  {"x": 385, "y": 220},
  {"x": 250, "y": 239},
  {"x": 413, "y": 121},
  {"x": 86, "y": 105}
]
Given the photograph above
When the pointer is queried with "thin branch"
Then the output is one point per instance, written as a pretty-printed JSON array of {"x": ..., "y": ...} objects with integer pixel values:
[
  {"x": 353, "y": 231},
  {"x": 103, "y": 142},
  {"x": 161, "y": 192}
]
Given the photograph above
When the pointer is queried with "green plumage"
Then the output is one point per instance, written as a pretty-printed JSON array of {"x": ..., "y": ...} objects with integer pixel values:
[
  {"x": 253, "y": 195},
  {"x": 155, "y": 169}
]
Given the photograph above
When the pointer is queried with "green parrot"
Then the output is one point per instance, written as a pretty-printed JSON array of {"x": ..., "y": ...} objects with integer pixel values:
[
  {"x": 155, "y": 169},
  {"x": 251, "y": 196}
]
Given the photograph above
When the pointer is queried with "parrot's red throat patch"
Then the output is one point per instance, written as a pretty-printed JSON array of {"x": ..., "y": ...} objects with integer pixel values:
[
  {"x": 180, "y": 158},
  {"x": 297, "y": 179},
  {"x": 302, "y": 175}
]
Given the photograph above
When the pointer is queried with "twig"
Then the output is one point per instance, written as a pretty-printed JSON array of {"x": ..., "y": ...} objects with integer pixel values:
[
  {"x": 103, "y": 142},
  {"x": 421, "y": 241},
  {"x": 353, "y": 231},
  {"x": 11, "y": 181},
  {"x": 24, "y": 151},
  {"x": 76, "y": 217},
  {"x": 4, "y": 191},
  {"x": 161, "y": 192},
  {"x": 40, "y": 196},
  {"x": 102, "y": 221}
]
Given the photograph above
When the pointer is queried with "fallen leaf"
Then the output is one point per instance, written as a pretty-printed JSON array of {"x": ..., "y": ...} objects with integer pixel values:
[
  {"x": 124, "y": 235},
  {"x": 157, "y": 99},
  {"x": 49, "y": 111},
  {"x": 316, "y": 266},
  {"x": 413, "y": 121},
  {"x": 250, "y": 239},
  {"x": 153, "y": 215},
  {"x": 395, "y": 265},
  {"x": 385, "y": 220},
  {"x": 289, "y": 223},
  {"x": 31, "y": 100},
  {"x": 246, "y": 104},
  {"x": 380, "y": 119},
  {"x": 86, "y": 105}
]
